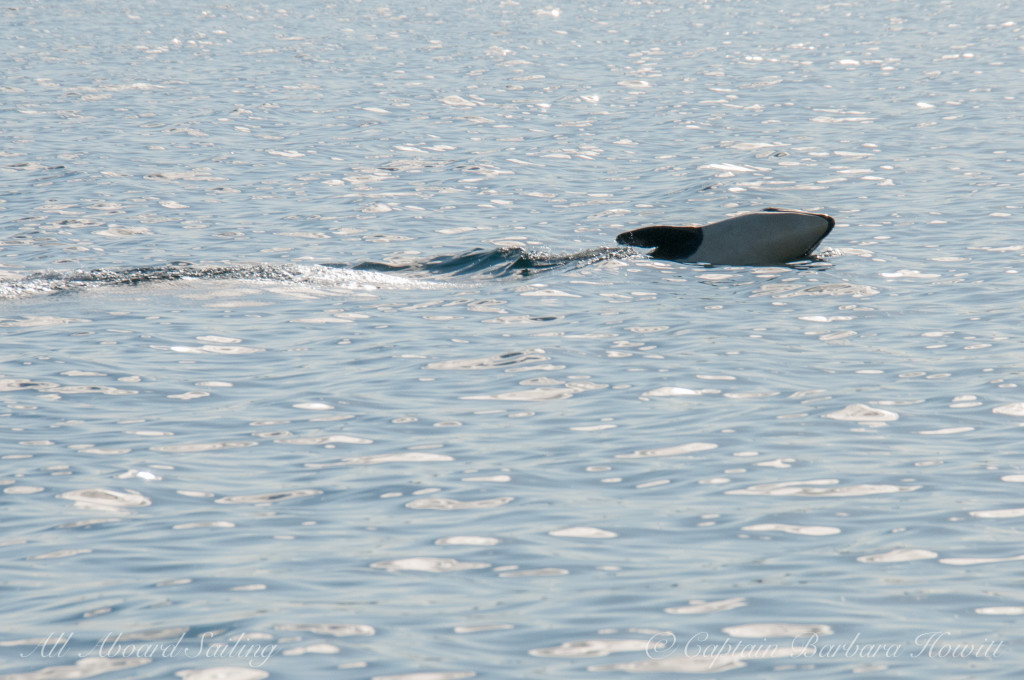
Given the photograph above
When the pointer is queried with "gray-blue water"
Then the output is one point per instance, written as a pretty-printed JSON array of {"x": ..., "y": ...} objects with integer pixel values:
[{"x": 320, "y": 359}]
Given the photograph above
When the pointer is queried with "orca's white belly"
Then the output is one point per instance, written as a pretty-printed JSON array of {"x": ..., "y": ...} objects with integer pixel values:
[{"x": 762, "y": 238}]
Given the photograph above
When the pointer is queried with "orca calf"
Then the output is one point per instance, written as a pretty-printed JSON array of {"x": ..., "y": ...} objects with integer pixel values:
[{"x": 771, "y": 236}]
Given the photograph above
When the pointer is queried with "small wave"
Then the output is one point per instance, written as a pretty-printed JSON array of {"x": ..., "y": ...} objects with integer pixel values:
[
  {"x": 479, "y": 263},
  {"x": 495, "y": 263},
  {"x": 50, "y": 282}
]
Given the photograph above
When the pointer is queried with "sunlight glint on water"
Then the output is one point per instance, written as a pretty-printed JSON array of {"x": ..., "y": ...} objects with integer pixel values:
[{"x": 321, "y": 359}]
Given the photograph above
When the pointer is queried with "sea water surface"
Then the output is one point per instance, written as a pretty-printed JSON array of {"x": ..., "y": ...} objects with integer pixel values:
[{"x": 320, "y": 360}]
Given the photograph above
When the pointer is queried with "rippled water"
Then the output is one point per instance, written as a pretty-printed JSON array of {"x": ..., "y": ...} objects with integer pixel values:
[{"x": 321, "y": 360}]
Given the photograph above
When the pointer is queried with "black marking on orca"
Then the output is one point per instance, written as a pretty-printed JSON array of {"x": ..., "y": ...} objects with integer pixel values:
[{"x": 669, "y": 243}]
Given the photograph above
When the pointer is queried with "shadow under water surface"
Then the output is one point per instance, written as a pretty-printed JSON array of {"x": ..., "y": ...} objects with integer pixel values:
[{"x": 495, "y": 263}]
